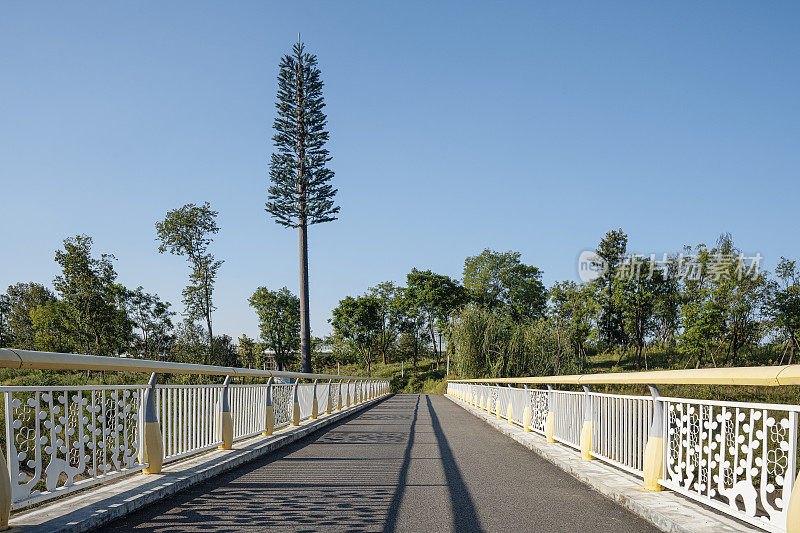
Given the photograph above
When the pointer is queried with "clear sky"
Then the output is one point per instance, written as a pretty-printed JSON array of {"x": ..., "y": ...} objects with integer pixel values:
[{"x": 455, "y": 126}]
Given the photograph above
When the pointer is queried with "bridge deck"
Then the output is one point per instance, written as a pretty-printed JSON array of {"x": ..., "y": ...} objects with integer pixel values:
[{"x": 409, "y": 463}]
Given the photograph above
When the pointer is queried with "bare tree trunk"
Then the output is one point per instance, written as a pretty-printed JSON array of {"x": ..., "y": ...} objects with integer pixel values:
[{"x": 305, "y": 321}]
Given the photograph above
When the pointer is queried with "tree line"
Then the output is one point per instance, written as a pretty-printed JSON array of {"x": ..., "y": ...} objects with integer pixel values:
[
  {"x": 90, "y": 312},
  {"x": 703, "y": 306}
]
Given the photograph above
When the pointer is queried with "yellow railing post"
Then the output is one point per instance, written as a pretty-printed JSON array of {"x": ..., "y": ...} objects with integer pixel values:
[
  {"x": 550, "y": 420},
  {"x": 226, "y": 427},
  {"x": 269, "y": 422},
  {"x": 793, "y": 509},
  {"x": 526, "y": 413},
  {"x": 314, "y": 403},
  {"x": 152, "y": 447},
  {"x": 510, "y": 408},
  {"x": 586, "y": 430},
  {"x": 295, "y": 404},
  {"x": 654, "y": 449},
  {"x": 339, "y": 396},
  {"x": 329, "y": 407},
  {"x": 347, "y": 395},
  {"x": 5, "y": 492}
]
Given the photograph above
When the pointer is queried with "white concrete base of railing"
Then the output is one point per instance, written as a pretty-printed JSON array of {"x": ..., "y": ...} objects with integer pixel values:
[
  {"x": 90, "y": 509},
  {"x": 666, "y": 510}
]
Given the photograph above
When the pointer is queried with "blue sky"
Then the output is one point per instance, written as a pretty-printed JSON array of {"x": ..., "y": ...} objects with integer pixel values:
[{"x": 455, "y": 126}]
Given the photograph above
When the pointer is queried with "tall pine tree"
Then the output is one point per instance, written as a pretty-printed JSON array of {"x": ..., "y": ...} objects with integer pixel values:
[{"x": 300, "y": 193}]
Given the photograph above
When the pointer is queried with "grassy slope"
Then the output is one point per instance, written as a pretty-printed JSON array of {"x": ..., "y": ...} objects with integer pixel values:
[{"x": 429, "y": 380}]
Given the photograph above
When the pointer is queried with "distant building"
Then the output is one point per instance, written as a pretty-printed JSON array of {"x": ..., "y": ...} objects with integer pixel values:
[{"x": 269, "y": 355}]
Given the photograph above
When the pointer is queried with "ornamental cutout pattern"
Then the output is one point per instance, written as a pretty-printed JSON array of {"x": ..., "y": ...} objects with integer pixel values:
[
  {"x": 61, "y": 440},
  {"x": 537, "y": 399},
  {"x": 282, "y": 404},
  {"x": 737, "y": 457}
]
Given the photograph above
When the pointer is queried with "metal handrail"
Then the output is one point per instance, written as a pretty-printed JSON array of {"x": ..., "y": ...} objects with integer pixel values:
[
  {"x": 26, "y": 359},
  {"x": 770, "y": 376}
]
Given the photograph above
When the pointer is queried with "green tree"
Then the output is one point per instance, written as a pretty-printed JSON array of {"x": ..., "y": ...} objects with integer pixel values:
[
  {"x": 250, "y": 352},
  {"x": 279, "y": 322},
  {"x": 702, "y": 312},
  {"x": 639, "y": 289},
  {"x": 501, "y": 280},
  {"x": 21, "y": 300},
  {"x": 411, "y": 322},
  {"x": 785, "y": 305},
  {"x": 189, "y": 345},
  {"x": 389, "y": 314},
  {"x": 188, "y": 231},
  {"x": 573, "y": 311},
  {"x": 667, "y": 309},
  {"x": 611, "y": 252},
  {"x": 744, "y": 294},
  {"x": 301, "y": 194},
  {"x": 152, "y": 319},
  {"x": 6, "y": 338},
  {"x": 357, "y": 320},
  {"x": 86, "y": 285},
  {"x": 436, "y": 296},
  {"x": 50, "y": 326},
  {"x": 226, "y": 353}
]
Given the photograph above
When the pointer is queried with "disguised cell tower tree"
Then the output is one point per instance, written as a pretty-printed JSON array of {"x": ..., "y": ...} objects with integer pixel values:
[{"x": 300, "y": 193}]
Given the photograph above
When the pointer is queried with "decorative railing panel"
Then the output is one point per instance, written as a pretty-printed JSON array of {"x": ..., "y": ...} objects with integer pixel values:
[
  {"x": 63, "y": 439},
  {"x": 538, "y": 401},
  {"x": 282, "y": 404},
  {"x": 737, "y": 457}
]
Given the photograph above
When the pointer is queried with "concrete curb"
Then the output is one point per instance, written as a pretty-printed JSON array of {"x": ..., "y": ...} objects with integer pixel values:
[
  {"x": 101, "y": 504},
  {"x": 666, "y": 510}
]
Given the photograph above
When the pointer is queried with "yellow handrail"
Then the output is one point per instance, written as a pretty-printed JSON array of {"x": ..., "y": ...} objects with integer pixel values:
[
  {"x": 26, "y": 359},
  {"x": 770, "y": 376}
]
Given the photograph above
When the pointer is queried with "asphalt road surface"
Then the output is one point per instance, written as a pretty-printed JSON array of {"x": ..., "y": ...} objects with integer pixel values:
[{"x": 409, "y": 463}]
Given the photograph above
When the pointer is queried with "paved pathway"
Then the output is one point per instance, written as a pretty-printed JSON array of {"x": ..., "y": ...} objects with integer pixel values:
[{"x": 409, "y": 463}]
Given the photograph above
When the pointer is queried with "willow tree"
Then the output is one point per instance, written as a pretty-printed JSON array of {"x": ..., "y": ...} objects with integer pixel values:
[{"x": 300, "y": 193}]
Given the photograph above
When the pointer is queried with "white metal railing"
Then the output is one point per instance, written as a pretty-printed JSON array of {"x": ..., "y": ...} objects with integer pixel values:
[
  {"x": 248, "y": 410},
  {"x": 61, "y": 439},
  {"x": 189, "y": 419},
  {"x": 620, "y": 426},
  {"x": 569, "y": 412},
  {"x": 739, "y": 458}
]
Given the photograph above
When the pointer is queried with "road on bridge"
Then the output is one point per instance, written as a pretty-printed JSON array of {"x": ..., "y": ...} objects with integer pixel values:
[{"x": 409, "y": 463}]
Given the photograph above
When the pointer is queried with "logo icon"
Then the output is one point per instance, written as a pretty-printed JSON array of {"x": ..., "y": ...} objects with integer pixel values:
[{"x": 590, "y": 266}]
